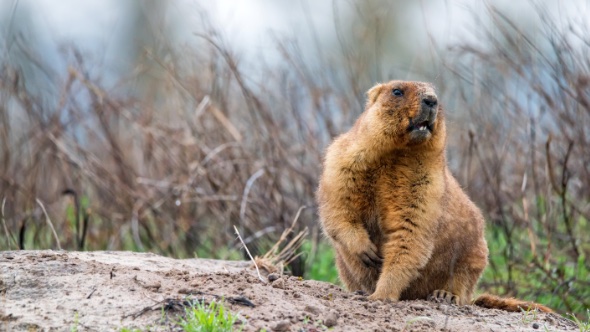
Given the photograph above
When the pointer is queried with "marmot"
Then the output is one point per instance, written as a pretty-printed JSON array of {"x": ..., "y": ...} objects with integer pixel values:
[{"x": 401, "y": 225}]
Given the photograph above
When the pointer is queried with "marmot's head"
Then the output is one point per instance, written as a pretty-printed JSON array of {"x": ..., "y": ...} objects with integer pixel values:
[{"x": 404, "y": 114}]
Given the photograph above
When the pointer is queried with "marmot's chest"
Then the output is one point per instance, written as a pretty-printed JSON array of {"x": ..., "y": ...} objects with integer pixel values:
[
  {"x": 387, "y": 194},
  {"x": 390, "y": 184}
]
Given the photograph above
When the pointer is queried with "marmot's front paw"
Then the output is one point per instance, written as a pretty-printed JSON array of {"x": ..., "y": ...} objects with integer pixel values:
[
  {"x": 368, "y": 254},
  {"x": 379, "y": 296}
]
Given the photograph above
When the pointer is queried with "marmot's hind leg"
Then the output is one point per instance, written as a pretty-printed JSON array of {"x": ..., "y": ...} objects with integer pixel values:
[
  {"x": 464, "y": 280},
  {"x": 459, "y": 288}
]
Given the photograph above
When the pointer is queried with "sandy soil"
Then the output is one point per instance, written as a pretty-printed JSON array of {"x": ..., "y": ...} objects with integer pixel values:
[{"x": 105, "y": 291}]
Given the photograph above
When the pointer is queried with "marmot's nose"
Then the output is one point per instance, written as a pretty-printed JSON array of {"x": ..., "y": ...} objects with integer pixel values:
[{"x": 429, "y": 101}]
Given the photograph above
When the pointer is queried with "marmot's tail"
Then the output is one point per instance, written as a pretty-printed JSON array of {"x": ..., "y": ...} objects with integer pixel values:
[{"x": 508, "y": 304}]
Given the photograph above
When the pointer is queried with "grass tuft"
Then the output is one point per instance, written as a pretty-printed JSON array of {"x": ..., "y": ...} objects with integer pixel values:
[
  {"x": 212, "y": 317},
  {"x": 584, "y": 326}
]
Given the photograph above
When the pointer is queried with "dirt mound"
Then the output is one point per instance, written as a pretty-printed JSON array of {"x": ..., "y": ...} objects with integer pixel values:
[{"x": 104, "y": 291}]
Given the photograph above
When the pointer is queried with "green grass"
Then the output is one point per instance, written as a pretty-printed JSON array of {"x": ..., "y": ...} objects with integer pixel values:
[
  {"x": 74, "y": 328},
  {"x": 320, "y": 263},
  {"x": 584, "y": 326},
  {"x": 529, "y": 316},
  {"x": 213, "y": 317},
  {"x": 201, "y": 317},
  {"x": 559, "y": 282}
]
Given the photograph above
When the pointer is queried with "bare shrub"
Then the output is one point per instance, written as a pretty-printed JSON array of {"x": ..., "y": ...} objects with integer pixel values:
[{"x": 524, "y": 101}]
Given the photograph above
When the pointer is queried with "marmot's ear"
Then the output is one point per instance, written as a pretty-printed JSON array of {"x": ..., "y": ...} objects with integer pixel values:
[{"x": 373, "y": 93}]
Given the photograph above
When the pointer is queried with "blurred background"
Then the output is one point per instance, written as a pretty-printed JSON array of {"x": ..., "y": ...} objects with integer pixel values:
[{"x": 158, "y": 126}]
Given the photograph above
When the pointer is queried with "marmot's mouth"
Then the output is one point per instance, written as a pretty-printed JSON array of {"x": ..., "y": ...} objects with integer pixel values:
[{"x": 422, "y": 126}]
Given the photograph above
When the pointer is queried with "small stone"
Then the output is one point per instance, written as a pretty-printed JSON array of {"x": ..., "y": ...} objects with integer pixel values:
[
  {"x": 311, "y": 309},
  {"x": 282, "y": 325},
  {"x": 273, "y": 276},
  {"x": 279, "y": 283},
  {"x": 535, "y": 326},
  {"x": 151, "y": 285},
  {"x": 331, "y": 319}
]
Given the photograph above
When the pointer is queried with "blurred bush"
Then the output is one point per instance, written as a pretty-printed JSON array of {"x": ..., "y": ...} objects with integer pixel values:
[{"x": 524, "y": 97}]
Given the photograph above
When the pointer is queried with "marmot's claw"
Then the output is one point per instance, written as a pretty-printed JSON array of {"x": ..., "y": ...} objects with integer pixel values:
[
  {"x": 442, "y": 296},
  {"x": 371, "y": 260}
]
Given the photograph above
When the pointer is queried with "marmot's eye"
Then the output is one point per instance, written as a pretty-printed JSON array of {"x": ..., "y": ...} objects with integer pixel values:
[{"x": 397, "y": 92}]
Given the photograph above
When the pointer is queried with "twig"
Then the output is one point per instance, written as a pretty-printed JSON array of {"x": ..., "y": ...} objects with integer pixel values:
[
  {"x": 249, "y": 255},
  {"x": 49, "y": 222},
  {"x": 92, "y": 292},
  {"x": 135, "y": 225},
  {"x": 562, "y": 191},
  {"x": 291, "y": 246},
  {"x": 247, "y": 188},
  {"x": 550, "y": 165},
  {"x": 79, "y": 236},
  {"x": 531, "y": 233},
  {"x": 8, "y": 235},
  {"x": 566, "y": 216},
  {"x": 201, "y": 107},
  {"x": 178, "y": 304},
  {"x": 259, "y": 234},
  {"x": 227, "y": 124}
]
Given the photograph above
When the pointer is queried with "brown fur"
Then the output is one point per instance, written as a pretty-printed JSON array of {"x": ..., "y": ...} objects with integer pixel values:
[
  {"x": 510, "y": 304},
  {"x": 401, "y": 225}
]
